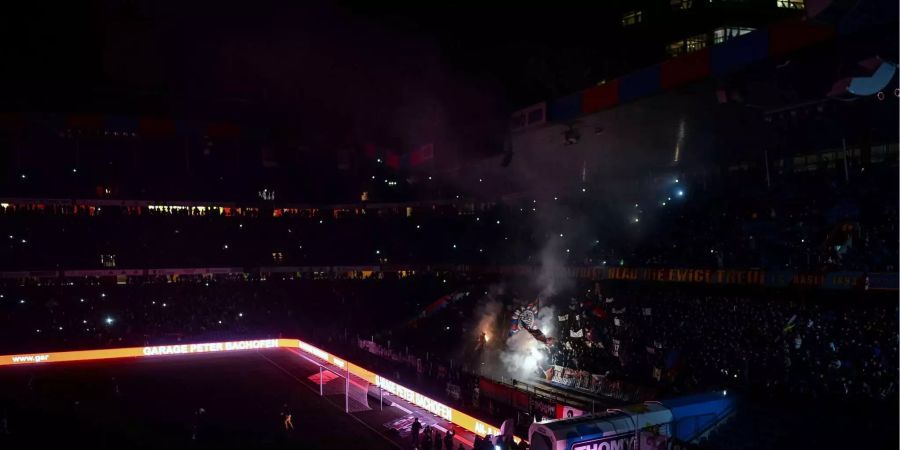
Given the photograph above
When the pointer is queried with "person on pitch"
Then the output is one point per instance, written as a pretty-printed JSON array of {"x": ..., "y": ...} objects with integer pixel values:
[{"x": 287, "y": 417}]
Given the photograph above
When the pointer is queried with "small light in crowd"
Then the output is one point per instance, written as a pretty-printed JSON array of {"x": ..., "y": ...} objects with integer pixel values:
[
  {"x": 21, "y": 301},
  {"x": 637, "y": 219},
  {"x": 103, "y": 294},
  {"x": 480, "y": 180},
  {"x": 373, "y": 177},
  {"x": 478, "y": 219},
  {"x": 321, "y": 221},
  {"x": 23, "y": 176},
  {"x": 555, "y": 198},
  {"x": 534, "y": 201},
  {"x": 164, "y": 305},
  {"x": 712, "y": 251},
  {"x": 240, "y": 314},
  {"x": 664, "y": 203},
  {"x": 669, "y": 198},
  {"x": 676, "y": 180},
  {"x": 220, "y": 322},
  {"x": 568, "y": 251},
  {"x": 560, "y": 235},
  {"x": 447, "y": 328},
  {"x": 445, "y": 280},
  {"x": 11, "y": 236},
  {"x": 82, "y": 300},
  {"x": 379, "y": 160},
  {"x": 498, "y": 222},
  {"x": 24, "y": 241},
  {"x": 454, "y": 245},
  {"x": 583, "y": 189},
  {"x": 534, "y": 209},
  {"x": 377, "y": 252},
  {"x": 74, "y": 170},
  {"x": 635, "y": 205},
  {"x": 84, "y": 321},
  {"x": 725, "y": 392},
  {"x": 480, "y": 250},
  {"x": 225, "y": 247},
  {"x": 109, "y": 320},
  {"x": 802, "y": 240},
  {"x": 429, "y": 178},
  {"x": 60, "y": 328},
  {"x": 418, "y": 226},
  {"x": 680, "y": 193},
  {"x": 240, "y": 225},
  {"x": 38, "y": 330}
]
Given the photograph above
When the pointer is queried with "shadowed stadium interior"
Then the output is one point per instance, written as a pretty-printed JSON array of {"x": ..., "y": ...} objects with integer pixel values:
[{"x": 633, "y": 225}]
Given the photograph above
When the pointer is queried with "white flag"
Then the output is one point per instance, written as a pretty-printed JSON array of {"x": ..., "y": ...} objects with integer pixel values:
[
  {"x": 576, "y": 334},
  {"x": 563, "y": 317}
]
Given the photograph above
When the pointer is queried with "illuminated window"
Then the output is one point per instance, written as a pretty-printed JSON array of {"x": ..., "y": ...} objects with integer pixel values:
[
  {"x": 790, "y": 4},
  {"x": 108, "y": 260},
  {"x": 631, "y": 18},
  {"x": 721, "y": 35},
  {"x": 691, "y": 44},
  {"x": 682, "y": 4},
  {"x": 694, "y": 43}
]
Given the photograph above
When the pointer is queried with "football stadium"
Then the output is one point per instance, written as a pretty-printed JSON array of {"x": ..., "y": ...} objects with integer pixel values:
[{"x": 628, "y": 225}]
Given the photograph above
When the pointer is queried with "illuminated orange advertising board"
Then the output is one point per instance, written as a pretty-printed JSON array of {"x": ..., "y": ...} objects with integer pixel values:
[{"x": 151, "y": 351}]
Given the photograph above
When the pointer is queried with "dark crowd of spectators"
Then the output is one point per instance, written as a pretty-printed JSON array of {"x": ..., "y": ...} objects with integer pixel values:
[
  {"x": 814, "y": 223},
  {"x": 61, "y": 315},
  {"x": 688, "y": 339}
]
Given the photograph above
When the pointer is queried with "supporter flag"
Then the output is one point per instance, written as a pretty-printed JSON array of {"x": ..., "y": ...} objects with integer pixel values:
[
  {"x": 576, "y": 334},
  {"x": 438, "y": 305},
  {"x": 548, "y": 374},
  {"x": 563, "y": 317},
  {"x": 615, "y": 349},
  {"x": 617, "y": 322},
  {"x": 610, "y": 300},
  {"x": 524, "y": 316},
  {"x": 540, "y": 336},
  {"x": 647, "y": 311}
]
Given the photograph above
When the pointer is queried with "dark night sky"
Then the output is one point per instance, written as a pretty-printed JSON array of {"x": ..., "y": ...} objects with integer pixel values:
[{"x": 354, "y": 69}]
